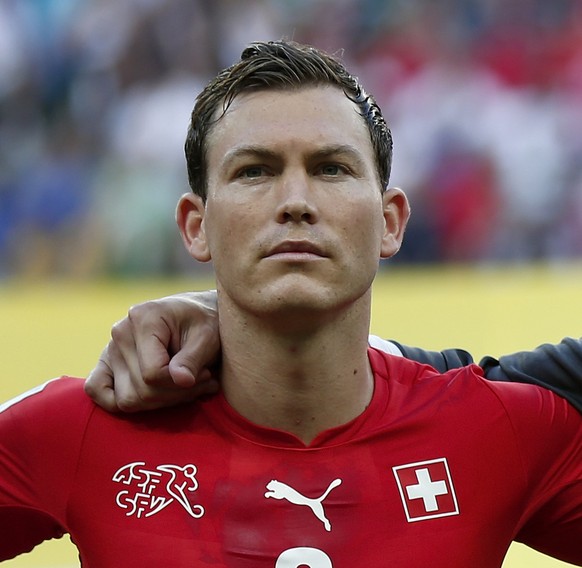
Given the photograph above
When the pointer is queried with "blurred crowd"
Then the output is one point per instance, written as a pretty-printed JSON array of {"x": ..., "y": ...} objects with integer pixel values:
[{"x": 484, "y": 98}]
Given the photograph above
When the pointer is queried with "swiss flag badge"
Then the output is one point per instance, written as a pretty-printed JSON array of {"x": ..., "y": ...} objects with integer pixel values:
[{"x": 426, "y": 490}]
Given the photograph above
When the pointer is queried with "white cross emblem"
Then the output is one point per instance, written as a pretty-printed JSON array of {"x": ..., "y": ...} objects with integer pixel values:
[{"x": 426, "y": 490}]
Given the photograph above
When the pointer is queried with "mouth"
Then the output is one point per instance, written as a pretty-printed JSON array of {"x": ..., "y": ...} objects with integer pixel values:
[{"x": 299, "y": 250}]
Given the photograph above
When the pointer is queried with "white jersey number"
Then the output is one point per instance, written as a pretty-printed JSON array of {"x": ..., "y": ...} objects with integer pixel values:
[{"x": 303, "y": 556}]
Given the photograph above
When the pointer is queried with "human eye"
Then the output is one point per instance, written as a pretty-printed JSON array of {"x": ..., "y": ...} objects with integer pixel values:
[
  {"x": 332, "y": 170},
  {"x": 252, "y": 172}
]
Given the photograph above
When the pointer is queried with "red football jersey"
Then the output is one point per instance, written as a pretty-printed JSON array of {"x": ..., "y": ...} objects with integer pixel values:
[{"x": 440, "y": 470}]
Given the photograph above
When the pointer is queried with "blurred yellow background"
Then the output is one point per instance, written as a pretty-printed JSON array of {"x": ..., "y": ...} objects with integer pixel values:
[{"x": 56, "y": 328}]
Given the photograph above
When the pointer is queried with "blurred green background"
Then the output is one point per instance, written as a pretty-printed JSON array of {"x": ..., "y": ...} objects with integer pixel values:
[{"x": 60, "y": 327}]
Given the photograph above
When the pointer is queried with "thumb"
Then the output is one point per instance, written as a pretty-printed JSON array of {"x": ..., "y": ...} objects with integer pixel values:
[
  {"x": 99, "y": 385},
  {"x": 199, "y": 350},
  {"x": 184, "y": 369}
]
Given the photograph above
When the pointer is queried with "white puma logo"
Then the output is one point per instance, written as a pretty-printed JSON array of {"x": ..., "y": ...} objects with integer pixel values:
[{"x": 279, "y": 490}]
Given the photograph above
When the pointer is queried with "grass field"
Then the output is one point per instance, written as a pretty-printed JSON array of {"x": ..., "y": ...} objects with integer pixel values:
[{"x": 59, "y": 328}]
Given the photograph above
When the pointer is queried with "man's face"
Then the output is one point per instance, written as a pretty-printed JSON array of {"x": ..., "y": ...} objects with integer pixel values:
[{"x": 295, "y": 220}]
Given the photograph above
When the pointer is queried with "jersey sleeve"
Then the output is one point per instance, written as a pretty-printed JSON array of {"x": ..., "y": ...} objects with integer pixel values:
[
  {"x": 556, "y": 367},
  {"x": 40, "y": 440},
  {"x": 548, "y": 435}
]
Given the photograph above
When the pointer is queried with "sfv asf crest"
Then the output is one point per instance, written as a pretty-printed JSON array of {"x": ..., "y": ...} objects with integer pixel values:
[
  {"x": 146, "y": 491},
  {"x": 426, "y": 489}
]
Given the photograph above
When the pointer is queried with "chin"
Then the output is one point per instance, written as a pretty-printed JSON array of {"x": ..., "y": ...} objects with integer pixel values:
[
  {"x": 311, "y": 302},
  {"x": 300, "y": 298},
  {"x": 293, "y": 302}
]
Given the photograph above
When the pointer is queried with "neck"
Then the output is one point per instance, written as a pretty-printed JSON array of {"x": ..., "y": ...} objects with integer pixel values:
[{"x": 303, "y": 378}]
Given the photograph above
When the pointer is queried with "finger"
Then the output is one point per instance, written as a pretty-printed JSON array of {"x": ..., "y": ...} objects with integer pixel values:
[
  {"x": 110, "y": 386},
  {"x": 132, "y": 383},
  {"x": 153, "y": 398},
  {"x": 151, "y": 346},
  {"x": 127, "y": 397},
  {"x": 99, "y": 385},
  {"x": 132, "y": 394},
  {"x": 198, "y": 352},
  {"x": 183, "y": 375}
]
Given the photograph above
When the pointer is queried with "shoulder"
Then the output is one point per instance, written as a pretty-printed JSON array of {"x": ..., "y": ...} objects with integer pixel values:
[
  {"x": 51, "y": 387},
  {"x": 398, "y": 368},
  {"x": 41, "y": 433},
  {"x": 538, "y": 416},
  {"x": 62, "y": 388},
  {"x": 58, "y": 403},
  {"x": 541, "y": 430},
  {"x": 520, "y": 403}
]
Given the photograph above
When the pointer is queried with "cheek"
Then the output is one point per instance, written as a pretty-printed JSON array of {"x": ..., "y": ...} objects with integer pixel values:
[
  {"x": 224, "y": 227},
  {"x": 364, "y": 229}
]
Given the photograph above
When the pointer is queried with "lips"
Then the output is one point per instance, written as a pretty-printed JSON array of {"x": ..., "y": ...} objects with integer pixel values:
[{"x": 296, "y": 247}]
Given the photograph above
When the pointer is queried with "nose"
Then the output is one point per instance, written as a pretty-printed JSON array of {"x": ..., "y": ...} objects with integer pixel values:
[{"x": 296, "y": 199}]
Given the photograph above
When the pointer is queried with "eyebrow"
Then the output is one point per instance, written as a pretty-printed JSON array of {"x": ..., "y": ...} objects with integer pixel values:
[
  {"x": 261, "y": 152},
  {"x": 248, "y": 151},
  {"x": 342, "y": 150}
]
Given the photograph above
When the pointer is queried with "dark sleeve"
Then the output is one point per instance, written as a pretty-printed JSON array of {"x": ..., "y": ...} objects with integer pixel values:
[
  {"x": 442, "y": 361},
  {"x": 556, "y": 367}
]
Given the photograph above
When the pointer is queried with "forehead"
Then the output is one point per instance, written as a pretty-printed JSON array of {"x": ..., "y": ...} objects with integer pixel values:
[{"x": 301, "y": 119}]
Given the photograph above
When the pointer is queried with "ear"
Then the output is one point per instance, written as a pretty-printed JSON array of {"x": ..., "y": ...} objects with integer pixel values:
[
  {"x": 190, "y": 215},
  {"x": 396, "y": 213}
]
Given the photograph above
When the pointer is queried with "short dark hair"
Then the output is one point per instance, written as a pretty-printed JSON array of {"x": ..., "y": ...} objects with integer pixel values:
[{"x": 279, "y": 65}]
